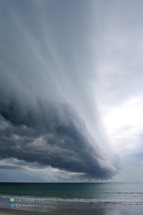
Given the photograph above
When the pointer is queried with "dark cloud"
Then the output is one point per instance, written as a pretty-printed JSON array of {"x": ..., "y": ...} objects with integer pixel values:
[
  {"x": 66, "y": 145},
  {"x": 47, "y": 112}
]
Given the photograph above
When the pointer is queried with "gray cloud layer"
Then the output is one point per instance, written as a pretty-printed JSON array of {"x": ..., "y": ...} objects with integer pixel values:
[{"x": 47, "y": 111}]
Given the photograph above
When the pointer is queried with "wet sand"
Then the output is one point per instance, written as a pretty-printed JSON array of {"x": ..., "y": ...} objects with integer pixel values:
[
  {"x": 98, "y": 210},
  {"x": 19, "y": 212}
]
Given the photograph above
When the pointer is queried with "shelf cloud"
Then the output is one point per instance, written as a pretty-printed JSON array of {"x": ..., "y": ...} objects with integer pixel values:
[{"x": 48, "y": 113}]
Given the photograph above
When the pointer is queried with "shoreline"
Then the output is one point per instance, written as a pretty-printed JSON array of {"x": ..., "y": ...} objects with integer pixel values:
[
  {"x": 100, "y": 210},
  {"x": 6, "y": 211}
]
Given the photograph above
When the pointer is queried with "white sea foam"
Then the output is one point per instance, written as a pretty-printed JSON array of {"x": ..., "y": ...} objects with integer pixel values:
[{"x": 76, "y": 200}]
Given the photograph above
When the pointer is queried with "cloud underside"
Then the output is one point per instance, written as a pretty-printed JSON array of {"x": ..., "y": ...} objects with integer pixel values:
[
  {"x": 48, "y": 138},
  {"x": 48, "y": 114}
]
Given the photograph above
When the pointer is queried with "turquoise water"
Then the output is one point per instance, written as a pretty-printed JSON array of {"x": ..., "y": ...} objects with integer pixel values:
[{"x": 95, "y": 192}]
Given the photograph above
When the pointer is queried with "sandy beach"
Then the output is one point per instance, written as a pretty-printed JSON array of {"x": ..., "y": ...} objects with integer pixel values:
[
  {"x": 101, "y": 210},
  {"x": 19, "y": 212}
]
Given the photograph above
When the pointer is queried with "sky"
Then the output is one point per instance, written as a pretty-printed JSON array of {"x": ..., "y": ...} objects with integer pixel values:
[{"x": 71, "y": 92}]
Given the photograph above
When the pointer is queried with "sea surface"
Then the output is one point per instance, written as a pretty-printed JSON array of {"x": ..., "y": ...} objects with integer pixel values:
[{"x": 72, "y": 197}]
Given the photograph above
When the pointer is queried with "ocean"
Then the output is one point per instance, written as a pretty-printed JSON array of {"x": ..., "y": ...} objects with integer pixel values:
[{"x": 72, "y": 197}]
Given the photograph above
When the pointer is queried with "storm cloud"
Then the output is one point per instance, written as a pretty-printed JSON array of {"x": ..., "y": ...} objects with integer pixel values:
[{"x": 48, "y": 113}]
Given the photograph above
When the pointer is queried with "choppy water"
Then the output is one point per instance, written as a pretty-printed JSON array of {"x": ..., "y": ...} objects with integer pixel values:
[
  {"x": 66, "y": 196},
  {"x": 85, "y": 191}
]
